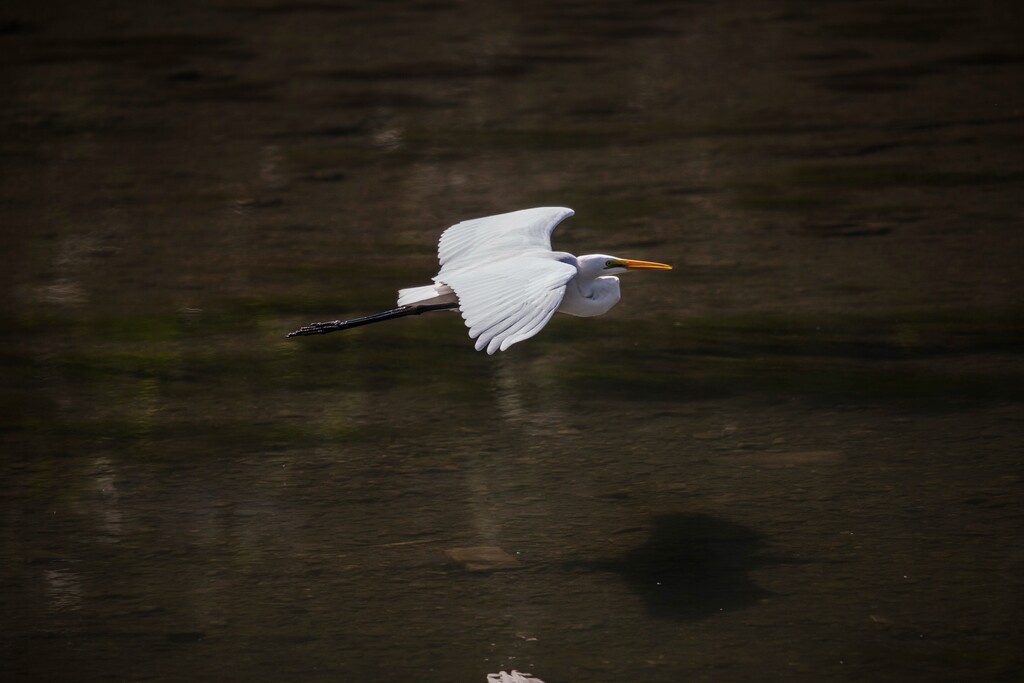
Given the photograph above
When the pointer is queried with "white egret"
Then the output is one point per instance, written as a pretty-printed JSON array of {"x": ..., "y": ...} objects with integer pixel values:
[{"x": 502, "y": 275}]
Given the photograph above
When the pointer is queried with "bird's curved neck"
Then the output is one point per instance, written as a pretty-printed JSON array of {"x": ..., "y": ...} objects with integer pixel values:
[{"x": 589, "y": 294}]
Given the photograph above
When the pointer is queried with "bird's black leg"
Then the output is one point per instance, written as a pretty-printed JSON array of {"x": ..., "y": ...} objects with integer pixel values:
[{"x": 338, "y": 325}]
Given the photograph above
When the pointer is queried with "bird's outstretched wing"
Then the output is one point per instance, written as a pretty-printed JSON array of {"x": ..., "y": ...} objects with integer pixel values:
[
  {"x": 478, "y": 241},
  {"x": 507, "y": 301},
  {"x": 508, "y": 281}
]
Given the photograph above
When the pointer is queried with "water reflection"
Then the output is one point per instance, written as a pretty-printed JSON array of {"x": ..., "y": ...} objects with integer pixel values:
[
  {"x": 64, "y": 588},
  {"x": 75, "y": 255},
  {"x": 105, "y": 484},
  {"x": 512, "y": 677},
  {"x": 523, "y": 427},
  {"x": 481, "y": 505},
  {"x": 526, "y": 394}
]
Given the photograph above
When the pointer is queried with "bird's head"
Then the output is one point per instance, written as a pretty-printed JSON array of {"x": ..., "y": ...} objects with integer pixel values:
[{"x": 603, "y": 264}]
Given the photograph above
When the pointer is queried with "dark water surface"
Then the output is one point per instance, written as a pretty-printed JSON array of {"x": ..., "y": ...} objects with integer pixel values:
[{"x": 796, "y": 457}]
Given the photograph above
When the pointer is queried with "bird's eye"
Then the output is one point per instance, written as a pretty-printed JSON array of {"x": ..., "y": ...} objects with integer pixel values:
[{"x": 610, "y": 264}]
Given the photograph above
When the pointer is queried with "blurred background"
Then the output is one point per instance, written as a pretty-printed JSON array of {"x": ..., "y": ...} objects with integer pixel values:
[{"x": 796, "y": 457}]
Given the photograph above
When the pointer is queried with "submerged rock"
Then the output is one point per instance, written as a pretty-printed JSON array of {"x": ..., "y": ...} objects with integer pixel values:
[{"x": 482, "y": 558}]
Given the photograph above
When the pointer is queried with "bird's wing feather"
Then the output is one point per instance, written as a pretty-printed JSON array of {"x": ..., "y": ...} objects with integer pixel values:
[
  {"x": 504, "y": 302},
  {"x": 481, "y": 240}
]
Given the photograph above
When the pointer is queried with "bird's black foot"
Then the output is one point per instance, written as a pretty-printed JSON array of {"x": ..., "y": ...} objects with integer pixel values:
[
  {"x": 317, "y": 328},
  {"x": 335, "y": 325}
]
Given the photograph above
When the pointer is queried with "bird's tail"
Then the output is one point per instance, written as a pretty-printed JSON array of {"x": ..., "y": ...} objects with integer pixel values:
[
  {"x": 338, "y": 325},
  {"x": 427, "y": 295}
]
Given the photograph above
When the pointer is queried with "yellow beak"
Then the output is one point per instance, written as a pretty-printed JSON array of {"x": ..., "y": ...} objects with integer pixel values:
[{"x": 643, "y": 265}]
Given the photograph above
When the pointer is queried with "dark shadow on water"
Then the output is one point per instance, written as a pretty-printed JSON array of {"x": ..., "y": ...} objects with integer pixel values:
[{"x": 693, "y": 566}]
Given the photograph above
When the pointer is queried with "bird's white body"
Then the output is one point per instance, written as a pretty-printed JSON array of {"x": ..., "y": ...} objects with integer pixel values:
[
  {"x": 584, "y": 297},
  {"x": 507, "y": 280},
  {"x": 502, "y": 275}
]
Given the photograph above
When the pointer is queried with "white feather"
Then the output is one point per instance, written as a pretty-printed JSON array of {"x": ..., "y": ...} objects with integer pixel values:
[
  {"x": 425, "y": 295},
  {"x": 479, "y": 241},
  {"x": 507, "y": 301}
]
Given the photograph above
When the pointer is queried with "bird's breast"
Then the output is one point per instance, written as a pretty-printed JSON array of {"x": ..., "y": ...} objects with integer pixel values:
[{"x": 595, "y": 299}]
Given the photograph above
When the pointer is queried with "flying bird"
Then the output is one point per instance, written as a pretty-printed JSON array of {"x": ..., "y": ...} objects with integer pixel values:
[{"x": 502, "y": 275}]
